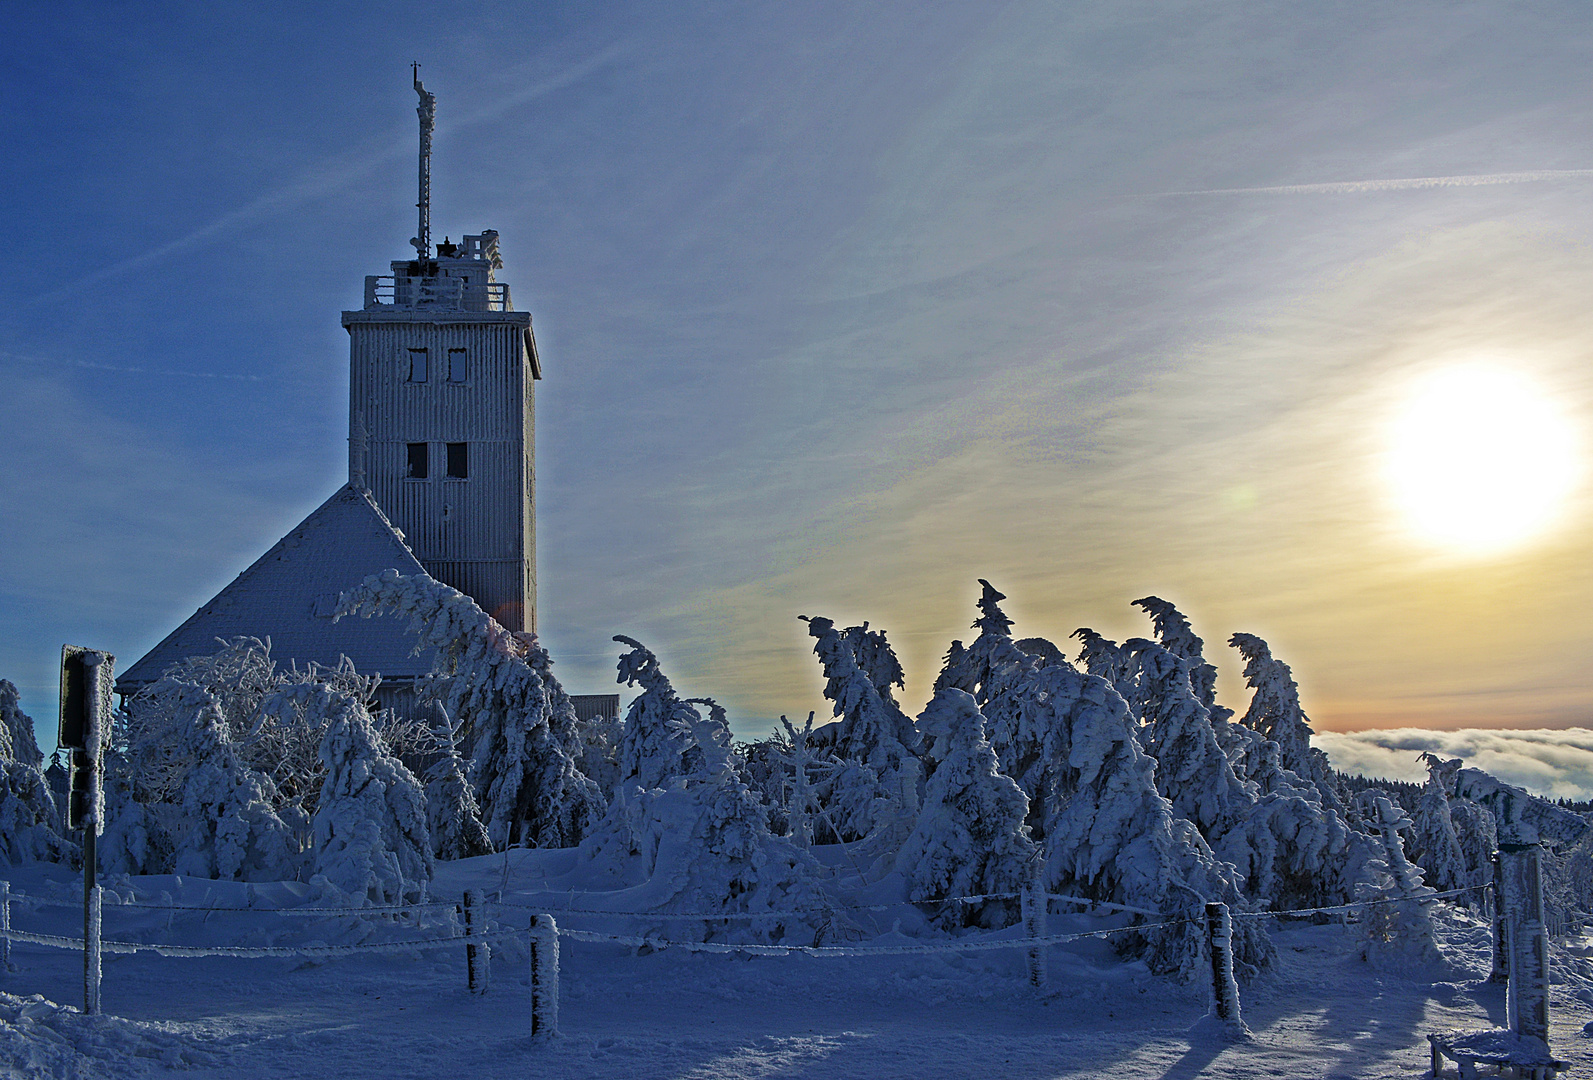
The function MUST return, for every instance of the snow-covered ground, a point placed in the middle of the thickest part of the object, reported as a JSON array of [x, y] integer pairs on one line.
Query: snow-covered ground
[[1322, 1013]]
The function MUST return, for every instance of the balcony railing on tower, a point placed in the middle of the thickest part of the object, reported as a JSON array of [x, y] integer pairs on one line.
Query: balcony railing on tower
[[441, 293]]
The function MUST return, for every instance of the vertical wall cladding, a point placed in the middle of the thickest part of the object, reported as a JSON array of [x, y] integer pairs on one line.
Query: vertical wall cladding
[[469, 533]]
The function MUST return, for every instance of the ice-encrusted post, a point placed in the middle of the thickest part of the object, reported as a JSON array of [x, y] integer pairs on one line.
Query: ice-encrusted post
[[544, 977], [1034, 911], [91, 954], [1527, 995], [1501, 949], [1224, 987], [5, 926], [478, 958]]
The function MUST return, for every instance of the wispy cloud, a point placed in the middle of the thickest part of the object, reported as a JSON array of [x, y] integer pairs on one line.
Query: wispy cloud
[[335, 174], [1413, 183]]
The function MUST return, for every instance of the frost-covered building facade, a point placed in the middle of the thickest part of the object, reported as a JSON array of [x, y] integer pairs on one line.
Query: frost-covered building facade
[[442, 476]]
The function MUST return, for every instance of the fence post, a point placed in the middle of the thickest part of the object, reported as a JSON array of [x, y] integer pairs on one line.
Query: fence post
[[544, 976], [1501, 952], [5, 926], [478, 958], [1034, 907], [91, 953], [1224, 987], [1527, 994]]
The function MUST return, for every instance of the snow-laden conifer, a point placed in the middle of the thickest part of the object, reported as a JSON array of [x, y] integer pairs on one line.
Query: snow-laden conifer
[[1276, 713], [875, 791], [232, 828], [29, 817], [970, 838], [1192, 772], [1174, 634], [697, 839], [1106, 659], [453, 817], [1105, 831], [371, 838], [499, 686], [1434, 843]]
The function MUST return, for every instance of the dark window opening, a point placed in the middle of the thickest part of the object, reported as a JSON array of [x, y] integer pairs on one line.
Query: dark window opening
[[458, 461], [458, 365], [417, 461], [417, 365]]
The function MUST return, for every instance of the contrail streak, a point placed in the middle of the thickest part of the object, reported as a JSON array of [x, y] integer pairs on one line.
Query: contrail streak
[[1350, 187], [333, 175]]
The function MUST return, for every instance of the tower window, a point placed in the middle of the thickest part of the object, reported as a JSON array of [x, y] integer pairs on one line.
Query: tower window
[[417, 461], [458, 461], [458, 365], [418, 367]]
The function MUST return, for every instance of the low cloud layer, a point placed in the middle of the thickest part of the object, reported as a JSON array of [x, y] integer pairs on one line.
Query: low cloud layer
[[1557, 763]]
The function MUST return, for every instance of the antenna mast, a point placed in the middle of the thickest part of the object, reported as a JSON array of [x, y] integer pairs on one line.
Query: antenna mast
[[428, 120]]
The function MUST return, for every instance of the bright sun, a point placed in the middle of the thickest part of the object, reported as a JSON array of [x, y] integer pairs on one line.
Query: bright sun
[[1481, 459]]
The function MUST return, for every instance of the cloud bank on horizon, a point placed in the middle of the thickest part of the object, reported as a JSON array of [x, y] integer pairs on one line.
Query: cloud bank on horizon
[[1557, 763]]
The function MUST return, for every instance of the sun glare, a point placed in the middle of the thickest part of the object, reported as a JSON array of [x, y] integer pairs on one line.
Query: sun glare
[[1481, 460]]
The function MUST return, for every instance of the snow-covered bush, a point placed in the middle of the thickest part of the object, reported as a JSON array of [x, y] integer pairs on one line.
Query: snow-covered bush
[[229, 809], [371, 838], [683, 830], [970, 838], [134, 840], [30, 821], [498, 685], [1399, 929]]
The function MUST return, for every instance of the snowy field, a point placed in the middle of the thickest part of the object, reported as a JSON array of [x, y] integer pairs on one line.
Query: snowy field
[[1321, 1013]]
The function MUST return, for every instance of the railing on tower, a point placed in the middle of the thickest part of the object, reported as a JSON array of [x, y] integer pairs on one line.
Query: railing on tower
[[446, 294]]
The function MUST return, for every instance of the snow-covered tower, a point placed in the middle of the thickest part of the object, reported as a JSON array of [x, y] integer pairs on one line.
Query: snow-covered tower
[[442, 374]]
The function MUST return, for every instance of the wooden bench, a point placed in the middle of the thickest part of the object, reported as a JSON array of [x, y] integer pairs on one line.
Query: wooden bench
[[1525, 1056]]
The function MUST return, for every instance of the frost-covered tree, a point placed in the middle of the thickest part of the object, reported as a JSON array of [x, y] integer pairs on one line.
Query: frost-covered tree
[[1105, 831], [1434, 843], [229, 810], [1399, 929], [970, 838], [697, 839], [1192, 772], [1106, 659], [29, 817], [453, 817], [499, 686], [657, 738], [1175, 635], [371, 838], [876, 790], [1276, 713], [859, 670]]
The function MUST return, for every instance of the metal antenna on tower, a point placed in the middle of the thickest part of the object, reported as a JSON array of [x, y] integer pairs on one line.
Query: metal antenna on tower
[[428, 120]]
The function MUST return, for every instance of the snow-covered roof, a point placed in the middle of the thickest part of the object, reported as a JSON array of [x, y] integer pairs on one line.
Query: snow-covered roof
[[291, 591]]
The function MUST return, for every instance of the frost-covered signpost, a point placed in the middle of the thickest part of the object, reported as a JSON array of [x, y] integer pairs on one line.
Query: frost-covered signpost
[[86, 677], [1527, 996]]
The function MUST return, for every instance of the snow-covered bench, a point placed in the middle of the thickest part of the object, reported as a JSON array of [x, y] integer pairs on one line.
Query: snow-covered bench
[[1524, 1055]]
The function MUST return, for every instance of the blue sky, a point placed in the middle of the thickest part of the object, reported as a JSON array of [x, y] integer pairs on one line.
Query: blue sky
[[840, 307]]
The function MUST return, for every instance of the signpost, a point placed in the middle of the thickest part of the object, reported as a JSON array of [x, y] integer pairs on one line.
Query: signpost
[[86, 679]]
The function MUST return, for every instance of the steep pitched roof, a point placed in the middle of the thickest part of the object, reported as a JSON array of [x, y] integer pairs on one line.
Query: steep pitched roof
[[291, 591]]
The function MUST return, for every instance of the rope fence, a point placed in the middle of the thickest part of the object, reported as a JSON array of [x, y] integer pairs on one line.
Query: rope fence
[[544, 934]]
